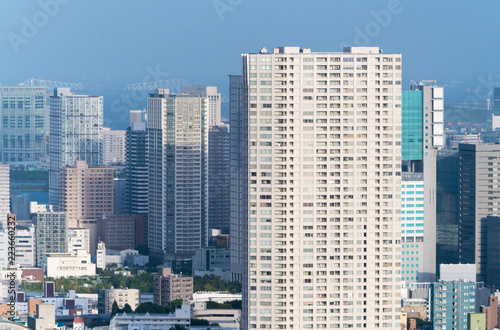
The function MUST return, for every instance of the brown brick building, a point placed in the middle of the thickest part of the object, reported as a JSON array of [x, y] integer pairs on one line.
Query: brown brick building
[[168, 287], [86, 192], [121, 232]]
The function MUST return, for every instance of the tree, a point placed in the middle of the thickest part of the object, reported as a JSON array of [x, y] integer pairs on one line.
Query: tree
[[149, 307], [114, 309], [198, 322], [127, 308], [176, 303], [233, 304], [178, 327]]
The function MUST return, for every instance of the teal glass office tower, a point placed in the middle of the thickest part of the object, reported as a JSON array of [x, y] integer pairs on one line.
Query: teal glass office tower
[[412, 125], [422, 136]]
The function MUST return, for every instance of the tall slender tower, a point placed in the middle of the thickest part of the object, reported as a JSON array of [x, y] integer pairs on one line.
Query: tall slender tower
[[75, 134], [136, 168], [319, 224], [178, 166], [219, 181], [422, 137]]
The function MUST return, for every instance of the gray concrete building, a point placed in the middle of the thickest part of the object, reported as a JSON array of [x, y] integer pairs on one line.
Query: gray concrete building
[[447, 206], [219, 180], [479, 197], [50, 234], [493, 251]]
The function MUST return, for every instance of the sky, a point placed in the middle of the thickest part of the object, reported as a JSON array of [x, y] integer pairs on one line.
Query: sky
[[107, 44]]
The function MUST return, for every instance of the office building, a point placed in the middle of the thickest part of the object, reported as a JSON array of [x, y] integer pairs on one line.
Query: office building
[[26, 246], [68, 265], [24, 124], [214, 101], [238, 175], [50, 233], [450, 303], [319, 237], [212, 260], [78, 239], [447, 207], [106, 298], [93, 227], [178, 166], [113, 146], [491, 312], [45, 317], [36, 208], [219, 182], [86, 192], [493, 251], [136, 169], [20, 206], [75, 134], [422, 136], [168, 287], [121, 232], [120, 196], [479, 195], [496, 98]]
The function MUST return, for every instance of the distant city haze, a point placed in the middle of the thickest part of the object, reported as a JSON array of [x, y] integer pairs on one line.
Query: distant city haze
[[106, 45]]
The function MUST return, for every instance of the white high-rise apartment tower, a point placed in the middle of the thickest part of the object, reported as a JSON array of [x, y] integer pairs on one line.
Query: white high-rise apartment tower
[[214, 101], [316, 225], [178, 167]]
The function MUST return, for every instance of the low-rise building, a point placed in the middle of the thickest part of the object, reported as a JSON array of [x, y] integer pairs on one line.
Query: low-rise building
[[450, 303], [67, 265], [168, 287], [182, 316], [78, 239], [107, 257], [211, 260], [122, 297], [229, 318], [68, 304], [45, 318], [216, 296]]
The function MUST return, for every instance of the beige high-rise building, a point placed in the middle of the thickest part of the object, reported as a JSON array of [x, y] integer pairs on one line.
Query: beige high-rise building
[[177, 172], [113, 146], [86, 192], [214, 101], [316, 187]]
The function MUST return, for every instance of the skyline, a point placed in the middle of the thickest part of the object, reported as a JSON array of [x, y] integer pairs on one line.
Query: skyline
[[222, 30]]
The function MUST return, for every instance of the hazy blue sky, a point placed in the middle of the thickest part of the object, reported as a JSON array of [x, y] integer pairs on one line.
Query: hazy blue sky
[[110, 43]]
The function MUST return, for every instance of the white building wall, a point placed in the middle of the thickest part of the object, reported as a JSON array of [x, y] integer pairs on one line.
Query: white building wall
[[78, 239], [113, 146], [66, 265]]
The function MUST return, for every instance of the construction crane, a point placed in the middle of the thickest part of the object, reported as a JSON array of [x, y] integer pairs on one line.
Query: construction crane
[[422, 83], [50, 85]]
